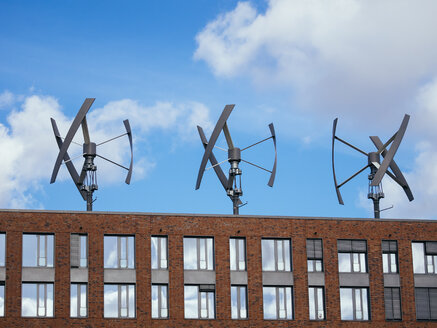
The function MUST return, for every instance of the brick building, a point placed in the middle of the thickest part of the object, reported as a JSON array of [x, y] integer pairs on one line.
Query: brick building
[[100, 269]]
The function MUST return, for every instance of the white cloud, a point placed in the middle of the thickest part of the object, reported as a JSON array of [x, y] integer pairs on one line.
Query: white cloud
[[28, 148], [6, 99]]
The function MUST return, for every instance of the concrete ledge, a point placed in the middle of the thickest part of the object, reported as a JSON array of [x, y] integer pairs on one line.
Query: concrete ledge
[[353, 279], [278, 279], [238, 277], [38, 274], [2, 274], [392, 280], [199, 277], [316, 279], [425, 280], [120, 276], [79, 274], [159, 276]]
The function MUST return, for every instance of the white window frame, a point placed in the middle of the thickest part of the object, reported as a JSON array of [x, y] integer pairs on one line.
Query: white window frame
[[238, 259], [242, 312], [161, 252], [80, 303], [163, 308], [317, 302]]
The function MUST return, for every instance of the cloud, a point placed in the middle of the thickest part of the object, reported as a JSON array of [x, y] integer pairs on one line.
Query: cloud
[[28, 148], [341, 56], [6, 99]]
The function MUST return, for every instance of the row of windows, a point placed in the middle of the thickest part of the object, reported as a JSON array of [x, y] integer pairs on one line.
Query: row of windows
[[119, 252], [199, 302]]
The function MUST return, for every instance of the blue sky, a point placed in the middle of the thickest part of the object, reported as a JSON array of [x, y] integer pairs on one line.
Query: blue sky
[[170, 65]]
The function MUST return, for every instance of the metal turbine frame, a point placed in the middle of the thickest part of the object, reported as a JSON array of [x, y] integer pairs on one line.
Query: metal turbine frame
[[377, 170], [86, 182], [234, 157]]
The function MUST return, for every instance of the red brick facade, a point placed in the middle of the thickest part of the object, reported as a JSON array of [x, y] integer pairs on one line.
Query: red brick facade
[[62, 224]]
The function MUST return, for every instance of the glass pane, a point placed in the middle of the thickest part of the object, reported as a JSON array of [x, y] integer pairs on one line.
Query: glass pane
[[83, 251], [269, 302], [241, 255], [430, 267], [356, 262], [131, 295], [190, 253], [234, 302], [211, 307], [123, 301], [50, 250], [123, 251], [363, 262], [154, 253], [164, 302], [203, 305], [279, 245], [155, 309], [49, 300], [28, 300], [358, 308], [191, 308], [268, 255], [344, 262], [287, 255], [2, 249], [319, 266], [435, 263], [346, 304], [73, 300], [393, 265], [202, 253], [42, 251], [289, 300], [131, 252], [365, 302], [2, 300], [83, 301], [210, 254], [385, 268], [232, 255], [320, 306], [110, 299], [310, 264], [418, 258], [312, 303], [110, 252], [41, 300], [163, 253], [30, 251], [282, 313], [243, 303]]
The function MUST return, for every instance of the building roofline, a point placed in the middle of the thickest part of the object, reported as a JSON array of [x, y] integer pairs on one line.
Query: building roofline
[[212, 215]]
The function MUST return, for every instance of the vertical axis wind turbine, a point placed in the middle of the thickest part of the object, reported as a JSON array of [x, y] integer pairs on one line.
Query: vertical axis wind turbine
[[377, 169], [86, 182], [232, 183]]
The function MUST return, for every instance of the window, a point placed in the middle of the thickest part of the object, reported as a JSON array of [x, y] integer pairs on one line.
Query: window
[[392, 300], [159, 301], [278, 303], [199, 302], [198, 253], [276, 255], [2, 299], [119, 301], [426, 303], [314, 255], [78, 300], [239, 302], [389, 256], [159, 253], [78, 251], [352, 255], [354, 304], [425, 257], [237, 248], [317, 303], [37, 300], [2, 249], [37, 250], [119, 252]]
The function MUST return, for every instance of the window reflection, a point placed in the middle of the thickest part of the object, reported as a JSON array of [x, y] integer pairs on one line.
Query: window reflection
[[2, 249], [238, 302], [37, 300], [354, 304], [2, 300], [37, 250], [119, 301], [119, 252], [198, 253], [276, 255], [277, 303], [159, 301], [199, 303]]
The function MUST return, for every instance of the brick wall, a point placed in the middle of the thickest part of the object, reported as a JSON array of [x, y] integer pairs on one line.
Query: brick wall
[[14, 223]]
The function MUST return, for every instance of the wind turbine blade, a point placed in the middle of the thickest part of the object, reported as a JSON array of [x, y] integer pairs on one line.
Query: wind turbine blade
[[129, 135], [86, 133], [273, 174], [337, 188]]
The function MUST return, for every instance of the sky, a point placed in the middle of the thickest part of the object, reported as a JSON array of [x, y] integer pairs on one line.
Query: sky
[[169, 66]]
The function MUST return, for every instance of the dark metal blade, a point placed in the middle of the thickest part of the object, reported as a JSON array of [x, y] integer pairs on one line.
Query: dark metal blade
[[391, 152], [214, 136], [70, 166], [228, 136], [398, 176], [70, 135], [337, 189], [129, 135], [86, 133], [273, 175]]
